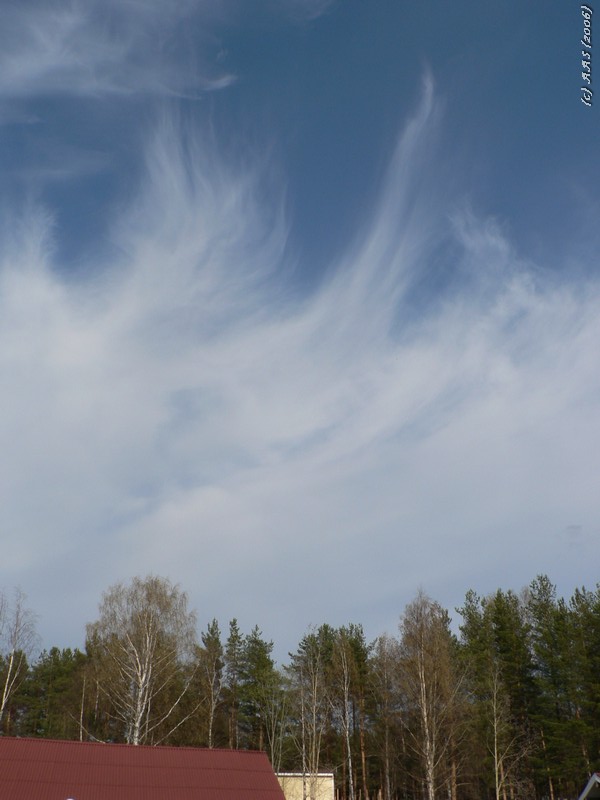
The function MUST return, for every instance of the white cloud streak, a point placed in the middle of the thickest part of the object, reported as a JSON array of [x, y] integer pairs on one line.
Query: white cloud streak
[[305, 9], [290, 460], [99, 48]]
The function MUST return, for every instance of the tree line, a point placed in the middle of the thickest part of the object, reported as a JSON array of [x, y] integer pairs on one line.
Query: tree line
[[506, 708]]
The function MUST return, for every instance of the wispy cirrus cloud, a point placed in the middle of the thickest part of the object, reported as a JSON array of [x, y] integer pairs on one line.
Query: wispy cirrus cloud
[[99, 48], [183, 411], [307, 9]]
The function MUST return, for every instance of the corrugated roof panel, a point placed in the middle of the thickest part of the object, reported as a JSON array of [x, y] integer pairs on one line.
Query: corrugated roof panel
[[39, 769]]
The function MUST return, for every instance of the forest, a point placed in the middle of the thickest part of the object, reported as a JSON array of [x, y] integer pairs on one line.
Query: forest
[[505, 708]]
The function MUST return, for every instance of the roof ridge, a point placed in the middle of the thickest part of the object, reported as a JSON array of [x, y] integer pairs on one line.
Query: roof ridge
[[125, 744]]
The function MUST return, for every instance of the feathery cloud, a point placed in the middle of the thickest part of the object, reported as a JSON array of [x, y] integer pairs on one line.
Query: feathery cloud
[[183, 411]]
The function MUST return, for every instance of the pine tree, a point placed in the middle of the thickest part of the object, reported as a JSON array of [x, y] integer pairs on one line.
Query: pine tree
[[52, 695], [234, 656]]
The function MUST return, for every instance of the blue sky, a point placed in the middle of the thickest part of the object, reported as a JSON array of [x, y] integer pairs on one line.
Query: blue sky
[[299, 305]]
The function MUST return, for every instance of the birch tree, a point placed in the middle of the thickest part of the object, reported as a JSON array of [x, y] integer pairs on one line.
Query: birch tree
[[508, 746], [210, 661], [384, 680], [342, 700], [275, 710], [308, 673], [140, 644], [430, 687], [17, 641]]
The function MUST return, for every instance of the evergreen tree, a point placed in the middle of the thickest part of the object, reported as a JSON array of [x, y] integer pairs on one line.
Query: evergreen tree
[[496, 651], [558, 760], [54, 695], [234, 656], [584, 615], [260, 684]]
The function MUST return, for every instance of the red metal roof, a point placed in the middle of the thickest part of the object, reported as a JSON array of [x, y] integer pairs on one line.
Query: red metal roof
[[44, 769]]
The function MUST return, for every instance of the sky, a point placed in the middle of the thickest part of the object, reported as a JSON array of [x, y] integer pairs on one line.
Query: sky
[[299, 306]]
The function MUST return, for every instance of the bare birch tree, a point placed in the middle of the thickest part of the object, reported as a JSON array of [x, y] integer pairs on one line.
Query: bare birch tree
[[311, 692], [274, 708], [211, 663], [507, 745], [17, 641], [430, 687], [343, 667], [384, 678], [143, 638]]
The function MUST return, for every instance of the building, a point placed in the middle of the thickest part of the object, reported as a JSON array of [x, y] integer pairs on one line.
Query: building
[[592, 790], [297, 786], [43, 769]]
